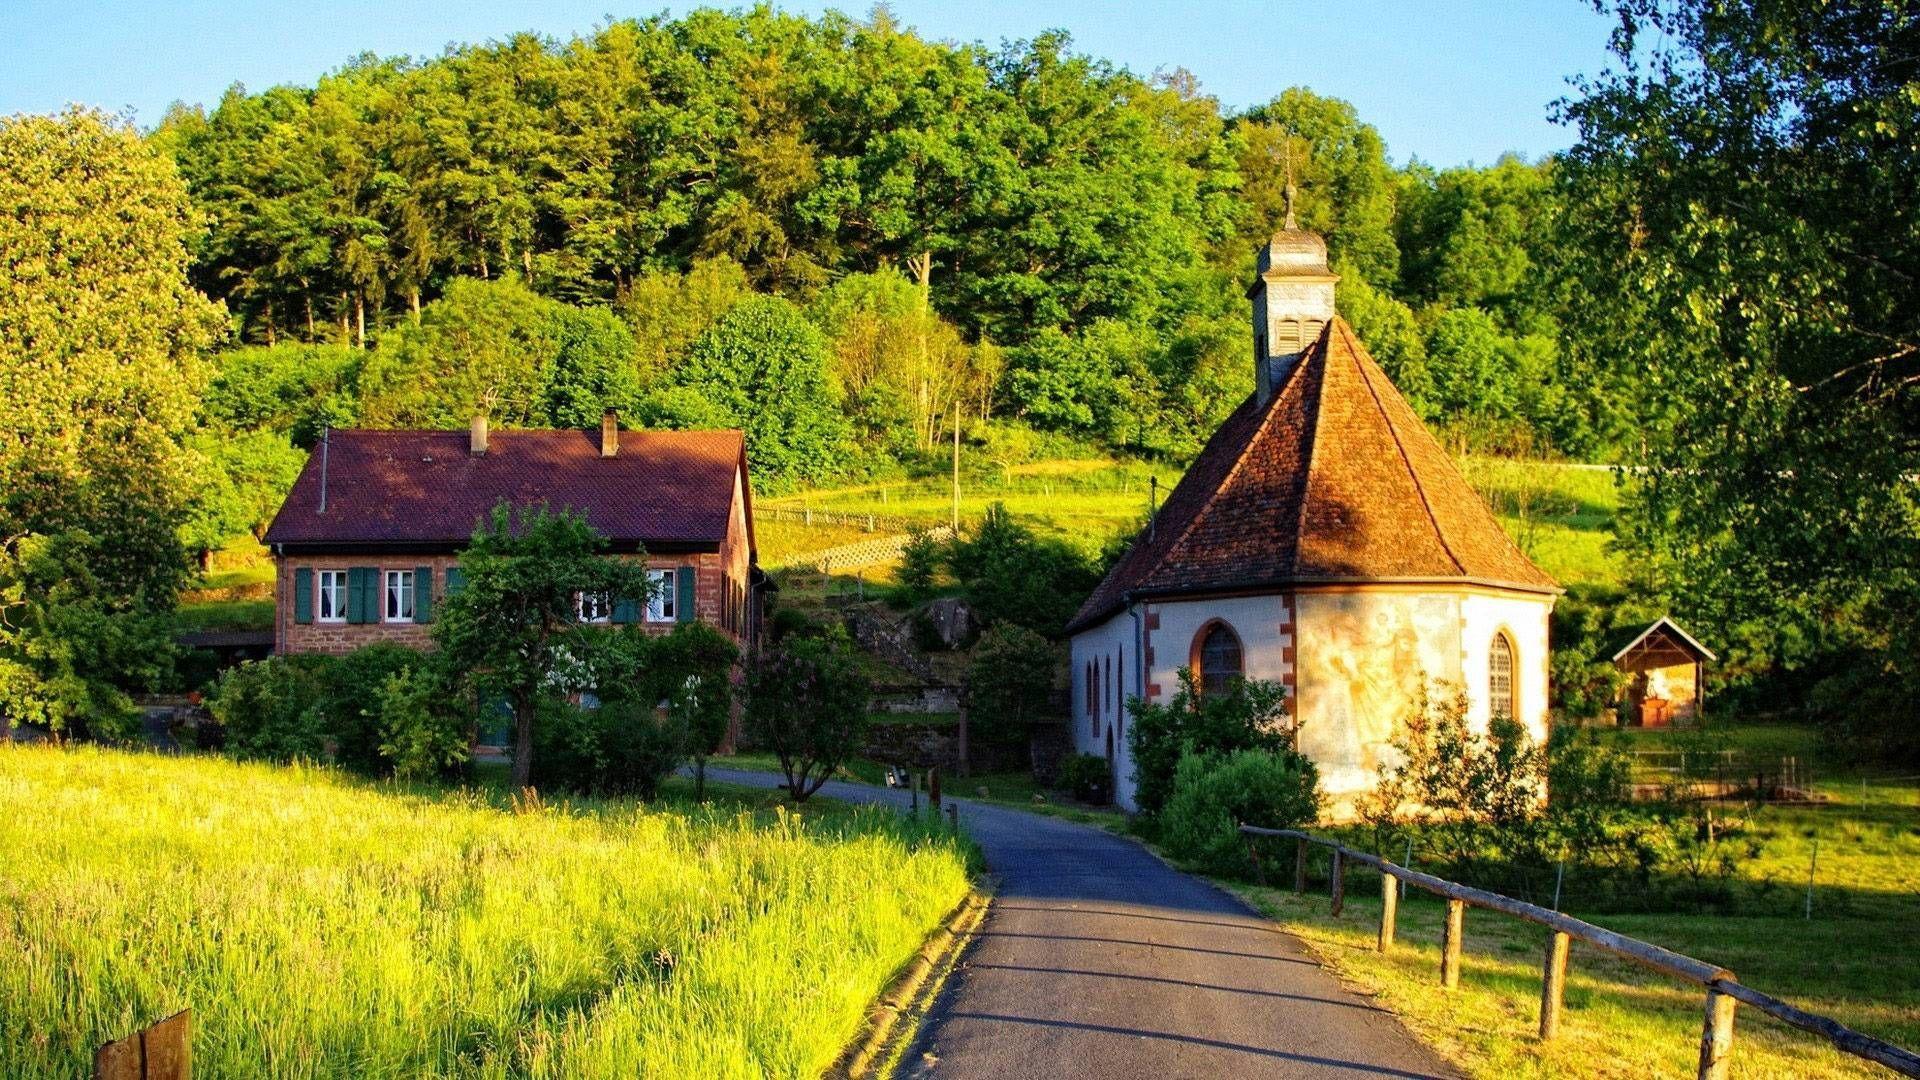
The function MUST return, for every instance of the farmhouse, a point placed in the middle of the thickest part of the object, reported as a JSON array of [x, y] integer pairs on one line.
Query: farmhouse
[[1323, 539], [369, 539]]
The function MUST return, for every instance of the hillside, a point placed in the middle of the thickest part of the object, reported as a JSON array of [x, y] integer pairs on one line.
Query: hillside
[[322, 926]]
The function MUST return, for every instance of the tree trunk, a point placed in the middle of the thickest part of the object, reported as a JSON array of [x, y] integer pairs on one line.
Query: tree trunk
[[522, 745], [414, 298], [360, 319], [309, 297]]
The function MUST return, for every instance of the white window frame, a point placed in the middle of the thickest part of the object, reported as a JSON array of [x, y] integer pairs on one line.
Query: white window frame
[[593, 608], [396, 596], [330, 586], [661, 596]]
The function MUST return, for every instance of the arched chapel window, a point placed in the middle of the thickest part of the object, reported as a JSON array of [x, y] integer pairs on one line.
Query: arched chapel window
[[1220, 662], [1500, 677]]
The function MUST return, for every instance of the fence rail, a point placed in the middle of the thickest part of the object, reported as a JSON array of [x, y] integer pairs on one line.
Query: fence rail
[[1724, 991]]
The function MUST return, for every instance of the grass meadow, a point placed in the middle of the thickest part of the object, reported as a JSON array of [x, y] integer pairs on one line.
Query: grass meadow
[[324, 926]]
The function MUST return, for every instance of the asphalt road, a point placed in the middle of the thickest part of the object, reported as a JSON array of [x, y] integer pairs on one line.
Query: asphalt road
[[1098, 960]]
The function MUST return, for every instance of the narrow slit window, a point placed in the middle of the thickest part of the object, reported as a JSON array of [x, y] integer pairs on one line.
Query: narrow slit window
[[1500, 677]]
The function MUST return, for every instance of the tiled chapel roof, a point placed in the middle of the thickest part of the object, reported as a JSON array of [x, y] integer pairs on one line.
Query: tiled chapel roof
[[1332, 479]]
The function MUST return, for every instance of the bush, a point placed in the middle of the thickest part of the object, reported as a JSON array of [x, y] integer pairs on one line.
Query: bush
[[1213, 795], [807, 702], [1010, 575], [1088, 777], [1008, 683], [350, 703], [1251, 716], [624, 747], [270, 708], [420, 737], [920, 563]]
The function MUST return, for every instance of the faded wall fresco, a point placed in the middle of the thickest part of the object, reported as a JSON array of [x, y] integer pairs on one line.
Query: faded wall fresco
[[1362, 659]]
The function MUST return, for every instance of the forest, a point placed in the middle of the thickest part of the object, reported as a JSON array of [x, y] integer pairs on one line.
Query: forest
[[851, 241]]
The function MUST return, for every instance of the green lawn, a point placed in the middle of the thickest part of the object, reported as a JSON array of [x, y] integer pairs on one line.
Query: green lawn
[[320, 925], [1853, 960]]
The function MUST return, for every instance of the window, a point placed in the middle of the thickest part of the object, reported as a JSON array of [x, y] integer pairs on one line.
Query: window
[[1219, 661], [399, 596], [593, 607], [660, 596], [330, 599], [1500, 677]]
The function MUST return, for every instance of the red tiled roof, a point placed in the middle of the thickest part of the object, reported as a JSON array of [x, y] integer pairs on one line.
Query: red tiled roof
[[1333, 478], [423, 487]]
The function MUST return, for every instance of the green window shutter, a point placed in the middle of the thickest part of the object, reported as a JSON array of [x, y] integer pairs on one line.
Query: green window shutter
[[303, 594], [456, 580], [626, 611], [683, 601], [423, 594], [362, 600]]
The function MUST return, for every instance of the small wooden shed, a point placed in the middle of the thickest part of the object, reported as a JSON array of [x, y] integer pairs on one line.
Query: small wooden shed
[[1666, 672]]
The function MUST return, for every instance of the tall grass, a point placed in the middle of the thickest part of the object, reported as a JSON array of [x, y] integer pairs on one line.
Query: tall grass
[[320, 926]]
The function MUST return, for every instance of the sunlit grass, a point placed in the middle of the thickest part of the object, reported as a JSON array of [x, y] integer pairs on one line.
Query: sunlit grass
[[1621, 1020], [320, 926]]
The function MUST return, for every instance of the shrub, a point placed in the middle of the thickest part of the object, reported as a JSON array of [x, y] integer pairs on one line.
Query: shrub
[[350, 704], [1214, 794], [1010, 575], [1008, 683], [620, 748], [271, 708], [1250, 716], [420, 736], [807, 702], [920, 563], [1088, 777]]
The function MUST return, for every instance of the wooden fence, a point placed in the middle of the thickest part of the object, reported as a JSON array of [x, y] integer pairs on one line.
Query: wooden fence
[[161, 1052], [1723, 991]]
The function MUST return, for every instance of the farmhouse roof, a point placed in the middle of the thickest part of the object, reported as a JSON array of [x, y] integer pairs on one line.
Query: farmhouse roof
[[426, 489], [1628, 638], [1332, 479]]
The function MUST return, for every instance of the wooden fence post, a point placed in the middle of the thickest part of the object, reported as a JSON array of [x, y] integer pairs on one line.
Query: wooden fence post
[[1450, 944], [1339, 881], [1389, 907], [161, 1052], [1553, 983], [1253, 852], [1716, 1038], [1300, 868]]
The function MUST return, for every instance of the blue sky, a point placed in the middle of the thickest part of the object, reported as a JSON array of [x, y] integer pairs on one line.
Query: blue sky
[[1448, 81]]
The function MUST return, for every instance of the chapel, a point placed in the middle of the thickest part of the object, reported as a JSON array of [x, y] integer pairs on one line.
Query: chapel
[[1324, 540]]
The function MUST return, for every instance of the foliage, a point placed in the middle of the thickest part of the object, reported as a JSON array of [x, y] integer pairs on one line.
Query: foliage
[[351, 706], [1009, 678], [1089, 777], [269, 709], [1011, 575], [765, 369], [920, 561], [67, 650], [513, 631], [622, 747], [421, 736], [1739, 198], [1249, 715], [687, 675], [1449, 772], [100, 371], [500, 348], [807, 702], [1214, 794], [295, 390], [243, 480], [449, 924]]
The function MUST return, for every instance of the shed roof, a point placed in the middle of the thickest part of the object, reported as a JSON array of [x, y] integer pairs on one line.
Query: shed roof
[[1332, 479], [1627, 638]]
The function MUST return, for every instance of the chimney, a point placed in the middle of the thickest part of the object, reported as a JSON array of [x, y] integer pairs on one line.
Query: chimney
[[1292, 302], [610, 434], [477, 435]]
